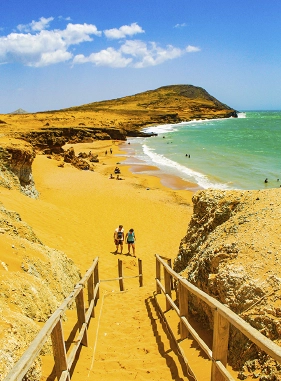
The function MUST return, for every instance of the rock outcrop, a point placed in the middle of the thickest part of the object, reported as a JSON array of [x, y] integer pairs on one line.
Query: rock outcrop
[[16, 159], [232, 252], [29, 293], [51, 140]]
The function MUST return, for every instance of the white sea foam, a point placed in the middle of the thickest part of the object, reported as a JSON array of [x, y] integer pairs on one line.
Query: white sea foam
[[161, 129], [180, 170], [165, 128], [241, 115]]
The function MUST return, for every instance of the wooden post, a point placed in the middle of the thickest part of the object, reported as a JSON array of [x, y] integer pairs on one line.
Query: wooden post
[[220, 345], [167, 279], [81, 315], [170, 264], [96, 279], [140, 273], [59, 351], [91, 293], [183, 306], [120, 275], [158, 275]]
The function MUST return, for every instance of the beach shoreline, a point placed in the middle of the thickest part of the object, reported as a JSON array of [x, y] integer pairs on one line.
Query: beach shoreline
[[138, 166]]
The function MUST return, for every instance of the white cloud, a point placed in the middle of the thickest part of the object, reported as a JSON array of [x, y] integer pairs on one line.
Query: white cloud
[[35, 26], [192, 49], [77, 33], [53, 57], [134, 53], [152, 54], [180, 25], [46, 47], [37, 46], [107, 57], [123, 31]]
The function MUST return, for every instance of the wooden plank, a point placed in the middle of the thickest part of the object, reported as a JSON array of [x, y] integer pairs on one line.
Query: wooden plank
[[190, 371], [160, 286], [27, 359], [80, 307], [224, 372], [65, 376], [169, 261], [89, 272], [167, 280], [140, 272], [91, 293], [158, 276], [197, 338], [220, 345], [172, 304], [165, 265], [96, 280], [77, 344], [120, 275], [59, 351], [255, 336], [183, 307]]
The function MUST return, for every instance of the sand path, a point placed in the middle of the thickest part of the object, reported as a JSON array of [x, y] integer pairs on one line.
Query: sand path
[[77, 213]]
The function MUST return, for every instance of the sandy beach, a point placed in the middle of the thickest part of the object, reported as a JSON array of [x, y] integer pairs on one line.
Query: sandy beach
[[77, 213]]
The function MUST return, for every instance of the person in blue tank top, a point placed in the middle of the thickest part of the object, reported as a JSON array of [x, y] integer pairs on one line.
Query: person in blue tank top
[[131, 239]]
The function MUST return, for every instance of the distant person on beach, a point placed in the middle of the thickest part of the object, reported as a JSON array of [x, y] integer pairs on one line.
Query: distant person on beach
[[130, 239], [110, 150], [266, 180], [111, 176], [118, 237], [105, 152]]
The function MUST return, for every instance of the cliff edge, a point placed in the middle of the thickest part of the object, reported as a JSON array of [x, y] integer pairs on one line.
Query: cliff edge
[[232, 252]]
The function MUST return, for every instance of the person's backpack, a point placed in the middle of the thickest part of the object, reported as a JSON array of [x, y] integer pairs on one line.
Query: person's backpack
[[119, 234]]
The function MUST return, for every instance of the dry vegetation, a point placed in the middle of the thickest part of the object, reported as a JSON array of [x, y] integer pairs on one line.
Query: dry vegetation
[[169, 104]]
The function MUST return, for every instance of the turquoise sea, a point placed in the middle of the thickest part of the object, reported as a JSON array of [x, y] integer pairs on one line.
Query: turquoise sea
[[235, 153]]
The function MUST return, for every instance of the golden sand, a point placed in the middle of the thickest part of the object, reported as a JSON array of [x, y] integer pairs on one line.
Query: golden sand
[[77, 212]]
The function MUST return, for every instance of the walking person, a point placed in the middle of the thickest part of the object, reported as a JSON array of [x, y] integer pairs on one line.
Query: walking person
[[130, 239], [118, 237]]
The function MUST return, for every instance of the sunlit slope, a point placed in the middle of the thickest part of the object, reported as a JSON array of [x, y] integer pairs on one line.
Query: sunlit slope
[[168, 104]]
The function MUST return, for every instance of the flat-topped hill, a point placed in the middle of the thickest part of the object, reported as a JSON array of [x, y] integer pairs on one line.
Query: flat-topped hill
[[168, 104]]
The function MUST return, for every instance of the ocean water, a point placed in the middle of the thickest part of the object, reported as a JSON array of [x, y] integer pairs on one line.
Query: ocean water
[[234, 153]]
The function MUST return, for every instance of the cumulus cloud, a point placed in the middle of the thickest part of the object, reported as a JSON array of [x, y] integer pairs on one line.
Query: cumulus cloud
[[192, 49], [107, 57], [134, 53], [35, 45], [123, 31], [44, 47], [35, 26]]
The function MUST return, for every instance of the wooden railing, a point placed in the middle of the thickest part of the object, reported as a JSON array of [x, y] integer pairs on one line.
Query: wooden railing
[[53, 328], [223, 317]]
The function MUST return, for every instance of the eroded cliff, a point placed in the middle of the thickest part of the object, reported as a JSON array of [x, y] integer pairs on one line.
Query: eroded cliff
[[16, 159], [34, 279], [232, 252]]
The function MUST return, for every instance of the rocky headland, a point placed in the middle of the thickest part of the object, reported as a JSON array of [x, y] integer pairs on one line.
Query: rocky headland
[[117, 118]]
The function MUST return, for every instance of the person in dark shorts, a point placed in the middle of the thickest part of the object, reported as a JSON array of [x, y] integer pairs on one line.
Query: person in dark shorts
[[119, 238], [131, 239]]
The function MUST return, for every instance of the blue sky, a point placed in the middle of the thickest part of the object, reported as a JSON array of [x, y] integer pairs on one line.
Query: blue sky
[[57, 54]]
